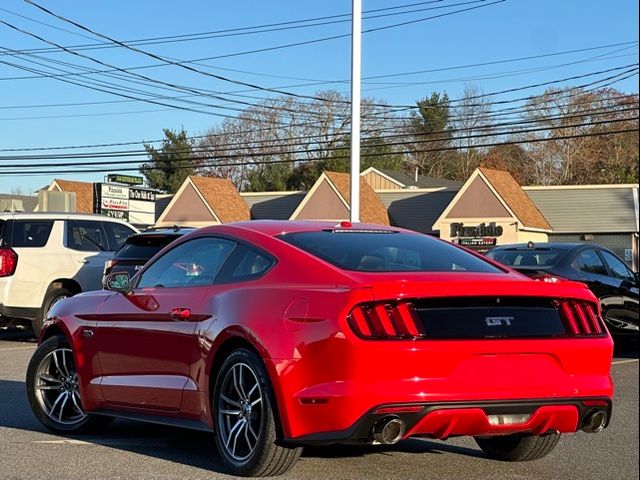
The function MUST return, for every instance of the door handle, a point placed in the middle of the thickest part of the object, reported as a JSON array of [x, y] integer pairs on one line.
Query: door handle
[[180, 314], [84, 260]]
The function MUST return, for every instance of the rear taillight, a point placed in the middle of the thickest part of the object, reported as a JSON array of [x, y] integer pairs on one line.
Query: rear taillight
[[581, 318], [547, 278], [386, 320], [8, 262]]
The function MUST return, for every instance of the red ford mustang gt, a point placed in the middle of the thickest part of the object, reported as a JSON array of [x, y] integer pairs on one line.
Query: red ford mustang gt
[[276, 335]]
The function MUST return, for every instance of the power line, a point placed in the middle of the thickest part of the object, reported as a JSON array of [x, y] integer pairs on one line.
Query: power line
[[373, 154], [234, 81], [317, 150]]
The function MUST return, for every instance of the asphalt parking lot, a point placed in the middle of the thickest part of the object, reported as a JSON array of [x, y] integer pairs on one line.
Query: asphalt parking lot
[[130, 450]]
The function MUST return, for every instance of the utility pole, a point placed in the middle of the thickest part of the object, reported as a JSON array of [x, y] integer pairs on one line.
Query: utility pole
[[356, 60]]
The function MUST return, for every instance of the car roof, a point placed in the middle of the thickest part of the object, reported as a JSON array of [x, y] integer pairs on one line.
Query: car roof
[[544, 245], [57, 216], [176, 231], [280, 227]]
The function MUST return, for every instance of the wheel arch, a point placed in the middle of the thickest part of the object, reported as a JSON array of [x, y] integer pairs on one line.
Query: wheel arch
[[235, 338]]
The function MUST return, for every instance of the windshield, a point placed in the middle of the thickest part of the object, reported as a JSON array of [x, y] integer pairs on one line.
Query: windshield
[[526, 258], [387, 251]]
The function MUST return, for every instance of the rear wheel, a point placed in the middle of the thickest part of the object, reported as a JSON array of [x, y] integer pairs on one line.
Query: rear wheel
[[245, 424], [518, 448], [52, 389]]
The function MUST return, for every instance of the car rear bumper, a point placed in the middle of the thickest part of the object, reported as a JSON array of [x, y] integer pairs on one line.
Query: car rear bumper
[[444, 420], [23, 313]]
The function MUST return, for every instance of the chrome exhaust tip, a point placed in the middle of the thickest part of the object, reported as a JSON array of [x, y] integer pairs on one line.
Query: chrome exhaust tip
[[388, 431], [595, 422]]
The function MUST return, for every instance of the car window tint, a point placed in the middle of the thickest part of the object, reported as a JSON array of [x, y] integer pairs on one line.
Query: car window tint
[[588, 261], [30, 233], [117, 234], [526, 258], [617, 267], [246, 264], [387, 251], [86, 236], [193, 263], [143, 247]]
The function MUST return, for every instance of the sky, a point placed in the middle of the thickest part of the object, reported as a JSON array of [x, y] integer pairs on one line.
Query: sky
[[29, 117]]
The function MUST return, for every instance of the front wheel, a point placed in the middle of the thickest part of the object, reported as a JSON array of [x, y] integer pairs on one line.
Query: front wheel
[[518, 448], [52, 389], [245, 424]]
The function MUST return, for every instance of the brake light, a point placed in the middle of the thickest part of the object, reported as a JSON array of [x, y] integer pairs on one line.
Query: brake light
[[581, 318], [548, 278], [386, 320], [8, 262]]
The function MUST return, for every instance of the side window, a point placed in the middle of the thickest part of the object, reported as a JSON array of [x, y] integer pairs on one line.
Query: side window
[[245, 264], [30, 233], [589, 262], [193, 263], [86, 236], [117, 234], [617, 267]]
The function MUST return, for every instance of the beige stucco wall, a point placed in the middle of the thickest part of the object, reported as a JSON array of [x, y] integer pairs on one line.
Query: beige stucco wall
[[188, 210], [324, 204]]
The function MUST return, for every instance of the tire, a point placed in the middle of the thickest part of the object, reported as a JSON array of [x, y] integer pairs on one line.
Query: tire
[[52, 296], [56, 403], [518, 448], [243, 407]]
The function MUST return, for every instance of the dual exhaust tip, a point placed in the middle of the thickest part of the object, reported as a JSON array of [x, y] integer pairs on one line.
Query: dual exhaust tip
[[595, 422], [388, 431]]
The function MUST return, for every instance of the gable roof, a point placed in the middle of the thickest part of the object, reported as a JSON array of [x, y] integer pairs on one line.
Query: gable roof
[[83, 191], [372, 210], [611, 208], [222, 197], [515, 198], [407, 181], [416, 210]]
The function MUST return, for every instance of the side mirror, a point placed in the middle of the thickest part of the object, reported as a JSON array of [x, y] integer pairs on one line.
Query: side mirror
[[117, 282]]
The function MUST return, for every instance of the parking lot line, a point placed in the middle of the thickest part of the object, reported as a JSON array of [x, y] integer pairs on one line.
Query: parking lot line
[[620, 362]]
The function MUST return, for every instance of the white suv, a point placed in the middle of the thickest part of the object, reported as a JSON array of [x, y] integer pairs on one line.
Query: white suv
[[45, 257]]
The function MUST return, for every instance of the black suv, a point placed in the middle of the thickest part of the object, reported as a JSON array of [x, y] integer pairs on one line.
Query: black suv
[[608, 277], [138, 249]]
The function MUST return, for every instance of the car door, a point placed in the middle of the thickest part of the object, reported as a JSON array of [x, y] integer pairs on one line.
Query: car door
[[595, 273], [88, 248], [621, 305], [146, 337]]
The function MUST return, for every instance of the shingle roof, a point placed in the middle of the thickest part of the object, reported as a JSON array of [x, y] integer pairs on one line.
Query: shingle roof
[[516, 199], [416, 210], [223, 198], [422, 182], [83, 191], [372, 210], [588, 209], [28, 202], [272, 205]]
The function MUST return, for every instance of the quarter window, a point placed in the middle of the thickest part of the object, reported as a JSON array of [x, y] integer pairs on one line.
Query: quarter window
[[193, 263], [589, 262], [86, 236], [28, 233], [617, 267], [245, 264]]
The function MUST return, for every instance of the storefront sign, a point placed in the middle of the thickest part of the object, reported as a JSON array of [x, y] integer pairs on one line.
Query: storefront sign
[[135, 205], [119, 214], [114, 191], [140, 194], [126, 179], [483, 230], [477, 242], [114, 204]]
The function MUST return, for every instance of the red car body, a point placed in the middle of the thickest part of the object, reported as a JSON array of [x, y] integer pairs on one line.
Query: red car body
[[153, 353]]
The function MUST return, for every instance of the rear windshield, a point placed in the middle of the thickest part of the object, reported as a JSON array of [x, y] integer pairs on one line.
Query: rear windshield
[[387, 252], [526, 258], [143, 247], [26, 233]]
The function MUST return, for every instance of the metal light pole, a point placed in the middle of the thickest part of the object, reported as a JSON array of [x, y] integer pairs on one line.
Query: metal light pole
[[356, 59]]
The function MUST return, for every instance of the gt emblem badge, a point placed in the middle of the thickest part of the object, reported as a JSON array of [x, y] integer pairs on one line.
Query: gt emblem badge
[[498, 321]]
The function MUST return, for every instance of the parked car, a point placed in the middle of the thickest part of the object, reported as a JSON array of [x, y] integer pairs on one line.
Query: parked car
[[606, 275], [139, 248], [275, 335], [45, 257]]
